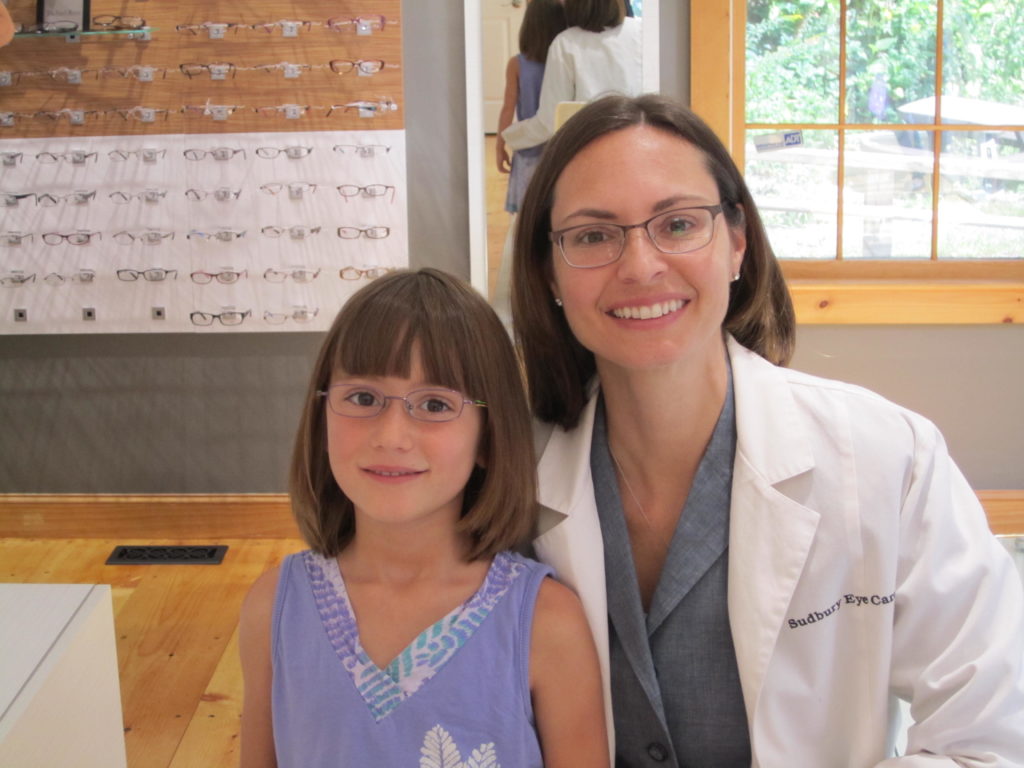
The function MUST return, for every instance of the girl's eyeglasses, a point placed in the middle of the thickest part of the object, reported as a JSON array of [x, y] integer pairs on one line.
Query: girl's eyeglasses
[[433, 404]]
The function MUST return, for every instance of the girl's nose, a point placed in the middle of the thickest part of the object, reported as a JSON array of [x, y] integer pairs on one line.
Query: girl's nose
[[394, 426]]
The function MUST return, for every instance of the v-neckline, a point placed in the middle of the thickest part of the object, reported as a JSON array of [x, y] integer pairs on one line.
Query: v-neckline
[[383, 689]]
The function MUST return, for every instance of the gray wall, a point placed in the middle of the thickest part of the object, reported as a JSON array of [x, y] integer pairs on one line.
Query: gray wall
[[216, 413]]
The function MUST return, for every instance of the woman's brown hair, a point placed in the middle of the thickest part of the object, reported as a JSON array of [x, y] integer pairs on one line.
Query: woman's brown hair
[[462, 345], [558, 367], [594, 15], [542, 23]]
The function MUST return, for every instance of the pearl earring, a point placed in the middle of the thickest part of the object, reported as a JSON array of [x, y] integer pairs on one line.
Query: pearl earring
[[736, 277], [558, 302]]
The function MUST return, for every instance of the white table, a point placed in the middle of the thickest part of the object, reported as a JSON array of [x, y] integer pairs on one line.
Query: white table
[[60, 702]]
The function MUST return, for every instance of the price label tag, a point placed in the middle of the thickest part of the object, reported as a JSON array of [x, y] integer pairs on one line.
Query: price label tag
[[220, 112], [217, 31], [289, 29], [298, 232], [150, 155], [151, 196], [74, 76], [291, 71], [78, 157], [6, 119], [145, 74], [222, 194], [6, 78], [219, 71], [292, 111], [76, 116]]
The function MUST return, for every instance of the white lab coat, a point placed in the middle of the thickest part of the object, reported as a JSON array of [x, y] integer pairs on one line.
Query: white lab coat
[[581, 66], [861, 568]]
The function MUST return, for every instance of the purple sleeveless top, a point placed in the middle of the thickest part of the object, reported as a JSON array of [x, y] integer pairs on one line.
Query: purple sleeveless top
[[457, 696]]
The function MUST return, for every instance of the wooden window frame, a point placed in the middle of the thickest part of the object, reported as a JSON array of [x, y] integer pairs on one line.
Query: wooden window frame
[[852, 291]]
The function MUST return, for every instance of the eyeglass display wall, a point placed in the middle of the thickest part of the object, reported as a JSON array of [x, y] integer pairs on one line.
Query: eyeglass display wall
[[199, 167]]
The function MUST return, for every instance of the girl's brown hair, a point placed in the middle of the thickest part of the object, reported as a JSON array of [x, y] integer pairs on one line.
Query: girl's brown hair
[[594, 15], [558, 367], [462, 345], [542, 22]]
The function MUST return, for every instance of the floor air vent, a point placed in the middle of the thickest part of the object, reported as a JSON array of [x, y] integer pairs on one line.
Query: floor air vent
[[166, 555]]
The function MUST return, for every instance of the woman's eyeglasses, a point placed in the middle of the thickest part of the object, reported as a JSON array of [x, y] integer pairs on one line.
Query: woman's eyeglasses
[[678, 231]]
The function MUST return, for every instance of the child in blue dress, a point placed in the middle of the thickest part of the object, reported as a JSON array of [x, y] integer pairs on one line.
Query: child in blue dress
[[543, 20], [409, 634]]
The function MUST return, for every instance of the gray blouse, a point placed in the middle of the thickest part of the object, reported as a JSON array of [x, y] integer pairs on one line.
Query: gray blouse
[[676, 693]]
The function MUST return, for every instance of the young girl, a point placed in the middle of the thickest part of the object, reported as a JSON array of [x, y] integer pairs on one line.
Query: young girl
[[542, 22], [408, 634]]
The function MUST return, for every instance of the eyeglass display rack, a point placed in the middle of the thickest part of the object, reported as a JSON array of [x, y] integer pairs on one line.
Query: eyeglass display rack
[[155, 203]]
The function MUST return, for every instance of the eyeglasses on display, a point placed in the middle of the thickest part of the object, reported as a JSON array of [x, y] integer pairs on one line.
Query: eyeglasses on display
[[225, 276], [78, 197], [293, 152], [147, 196], [109, 21], [299, 315], [295, 189], [215, 29], [75, 157], [16, 279], [363, 66], [297, 275], [289, 111], [217, 71], [221, 194], [146, 154], [143, 114], [364, 108], [140, 72], [153, 275], [362, 25], [83, 276], [296, 232], [222, 235], [290, 71], [12, 199], [148, 237], [361, 150], [372, 273], [288, 27], [48, 27], [14, 239], [217, 153], [359, 401], [79, 237], [371, 233], [215, 111], [348, 191], [232, 317]]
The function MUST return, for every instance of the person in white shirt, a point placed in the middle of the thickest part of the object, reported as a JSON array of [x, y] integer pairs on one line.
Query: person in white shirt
[[601, 52]]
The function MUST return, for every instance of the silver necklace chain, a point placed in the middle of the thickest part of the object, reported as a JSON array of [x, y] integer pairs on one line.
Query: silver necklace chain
[[629, 488]]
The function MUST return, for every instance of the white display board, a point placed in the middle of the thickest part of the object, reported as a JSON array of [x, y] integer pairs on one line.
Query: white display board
[[198, 232]]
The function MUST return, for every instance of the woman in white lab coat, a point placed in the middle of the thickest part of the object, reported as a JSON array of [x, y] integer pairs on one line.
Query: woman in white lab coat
[[601, 52], [768, 560]]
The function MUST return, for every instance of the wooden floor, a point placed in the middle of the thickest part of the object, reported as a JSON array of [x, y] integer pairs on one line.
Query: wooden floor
[[176, 627]]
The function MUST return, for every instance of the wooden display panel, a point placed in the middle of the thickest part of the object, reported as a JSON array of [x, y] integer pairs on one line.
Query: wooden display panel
[[103, 92]]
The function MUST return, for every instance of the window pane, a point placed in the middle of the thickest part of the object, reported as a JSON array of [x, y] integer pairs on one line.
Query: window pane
[[983, 60], [890, 59], [795, 190], [886, 198], [981, 197], [792, 61]]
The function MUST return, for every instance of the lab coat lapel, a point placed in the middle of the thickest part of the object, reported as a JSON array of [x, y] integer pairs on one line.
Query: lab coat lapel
[[770, 534], [569, 538]]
